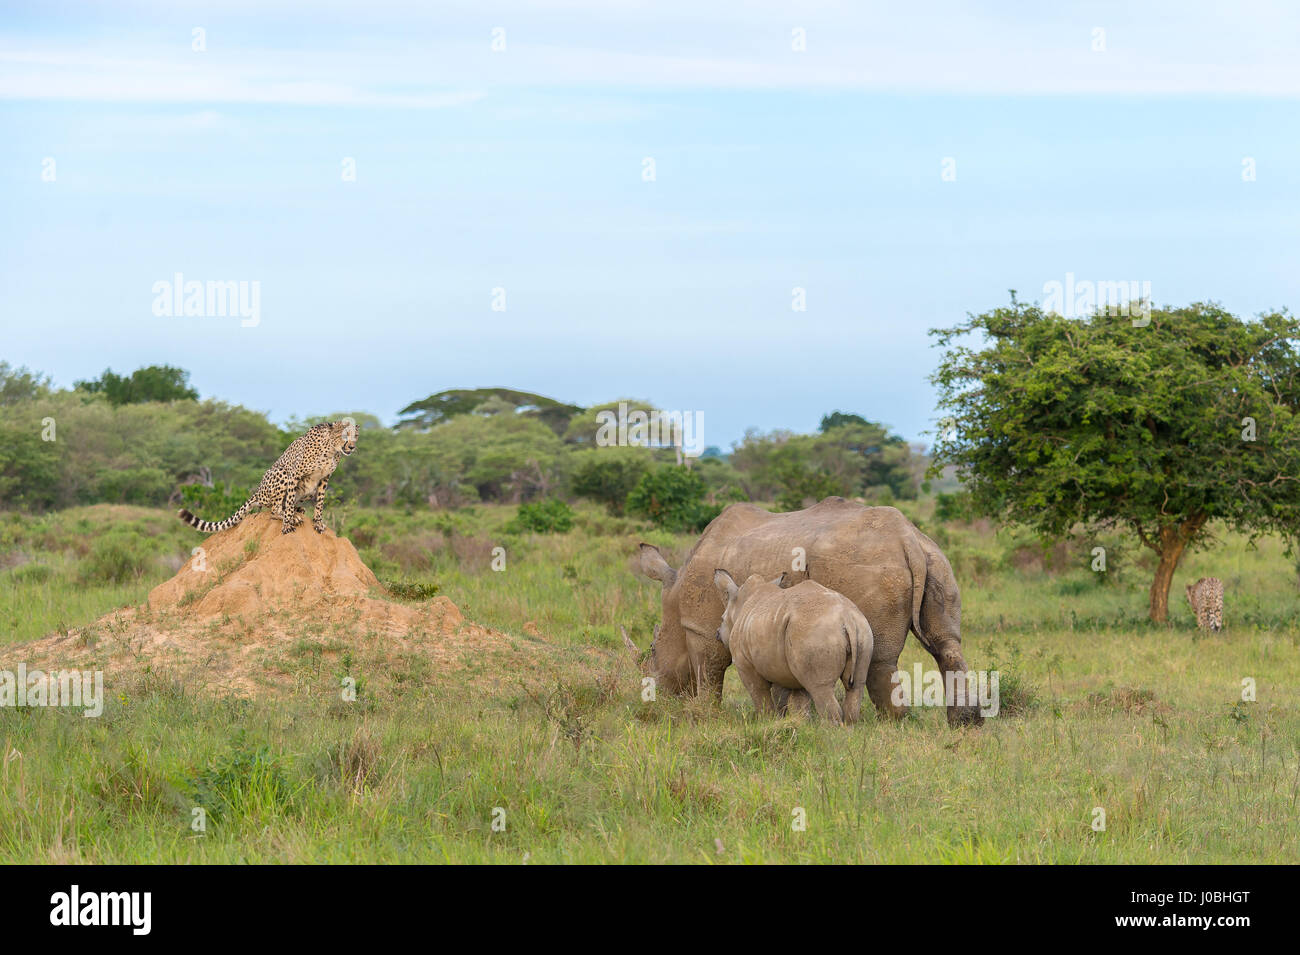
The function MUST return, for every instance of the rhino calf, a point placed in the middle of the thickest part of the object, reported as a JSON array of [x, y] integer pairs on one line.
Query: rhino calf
[[803, 638]]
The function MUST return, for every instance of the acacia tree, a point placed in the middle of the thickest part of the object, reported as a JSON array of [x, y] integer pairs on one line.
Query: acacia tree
[[1163, 428], [445, 405]]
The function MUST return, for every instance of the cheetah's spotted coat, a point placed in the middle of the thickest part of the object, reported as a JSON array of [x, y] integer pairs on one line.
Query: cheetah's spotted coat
[[1206, 598], [302, 471]]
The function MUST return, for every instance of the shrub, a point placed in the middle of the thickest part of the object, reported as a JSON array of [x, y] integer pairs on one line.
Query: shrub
[[411, 590], [608, 475], [248, 782], [144, 485], [952, 507], [1016, 695], [116, 559], [672, 497], [31, 574], [799, 484], [549, 516], [29, 469]]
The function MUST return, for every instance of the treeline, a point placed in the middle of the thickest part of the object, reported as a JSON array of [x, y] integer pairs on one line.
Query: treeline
[[143, 438]]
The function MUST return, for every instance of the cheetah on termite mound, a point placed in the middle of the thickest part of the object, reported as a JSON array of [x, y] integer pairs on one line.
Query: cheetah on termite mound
[[1206, 598], [302, 471]]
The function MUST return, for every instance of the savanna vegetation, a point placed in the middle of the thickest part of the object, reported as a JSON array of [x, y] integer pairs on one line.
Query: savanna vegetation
[[1064, 439], [145, 439], [1100, 709]]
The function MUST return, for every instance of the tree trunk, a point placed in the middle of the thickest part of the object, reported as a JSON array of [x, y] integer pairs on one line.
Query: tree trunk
[[1172, 541], [1164, 577]]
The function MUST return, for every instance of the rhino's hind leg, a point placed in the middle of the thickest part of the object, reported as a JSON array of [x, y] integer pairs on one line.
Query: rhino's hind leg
[[800, 704], [787, 700], [853, 704], [880, 687], [828, 708], [759, 689]]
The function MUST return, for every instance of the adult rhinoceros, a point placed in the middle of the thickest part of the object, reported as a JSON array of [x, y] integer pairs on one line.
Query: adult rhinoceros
[[875, 556]]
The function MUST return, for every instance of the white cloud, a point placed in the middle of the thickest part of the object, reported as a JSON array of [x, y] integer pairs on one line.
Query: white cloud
[[261, 76], [407, 54]]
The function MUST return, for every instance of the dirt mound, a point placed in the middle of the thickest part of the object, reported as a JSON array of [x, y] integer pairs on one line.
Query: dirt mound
[[256, 611], [253, 567]]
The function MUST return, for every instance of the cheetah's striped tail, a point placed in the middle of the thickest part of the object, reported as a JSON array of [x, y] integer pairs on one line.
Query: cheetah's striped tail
[[208, 527]]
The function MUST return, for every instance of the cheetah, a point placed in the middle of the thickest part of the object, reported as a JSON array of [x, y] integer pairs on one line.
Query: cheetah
[[1206, 598], [303, 470]]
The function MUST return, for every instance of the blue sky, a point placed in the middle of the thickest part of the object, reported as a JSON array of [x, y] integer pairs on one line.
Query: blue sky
[[522, 169]]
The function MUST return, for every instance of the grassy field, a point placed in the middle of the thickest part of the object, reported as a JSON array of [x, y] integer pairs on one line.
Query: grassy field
[[1101, 710]]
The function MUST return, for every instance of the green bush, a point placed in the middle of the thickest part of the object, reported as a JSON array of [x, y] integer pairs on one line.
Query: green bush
[[672, 497], [29, 468], [549, 516], [143, 486], [952, 507], [246, 783], [116, 559], [31, 574], [411, 590], [723, 481], [608, 475], [798, 486]]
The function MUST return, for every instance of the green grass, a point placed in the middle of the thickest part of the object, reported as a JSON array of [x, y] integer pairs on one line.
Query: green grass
[[1144, 722], [65, 569]]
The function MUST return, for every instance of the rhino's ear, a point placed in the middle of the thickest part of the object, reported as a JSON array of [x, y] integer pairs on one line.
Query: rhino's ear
[[655, 567], [784, 580], [725, 584]]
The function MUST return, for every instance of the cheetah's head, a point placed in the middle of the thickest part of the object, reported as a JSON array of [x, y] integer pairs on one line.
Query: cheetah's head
[[345, 436]]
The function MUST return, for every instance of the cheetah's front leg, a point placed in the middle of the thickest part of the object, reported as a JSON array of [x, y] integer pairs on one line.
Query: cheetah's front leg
[[316, 521], [288, 511]]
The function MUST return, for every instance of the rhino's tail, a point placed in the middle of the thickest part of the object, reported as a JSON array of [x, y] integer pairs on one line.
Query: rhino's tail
[[851, 667], [916, 562]]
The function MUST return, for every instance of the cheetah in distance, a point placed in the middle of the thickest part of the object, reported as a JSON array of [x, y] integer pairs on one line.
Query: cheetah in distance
[[1206, 598], [302, 471]]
